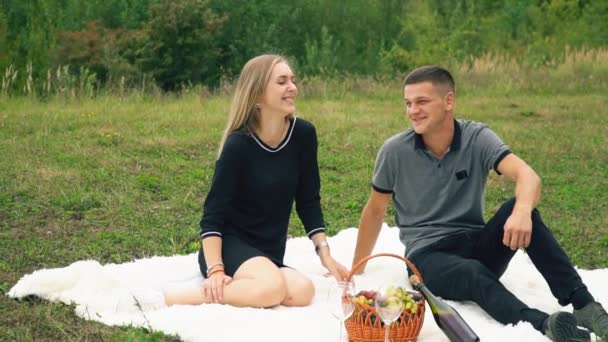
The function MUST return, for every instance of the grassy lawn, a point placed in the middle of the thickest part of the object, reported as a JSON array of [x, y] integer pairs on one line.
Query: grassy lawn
[[113, 179]]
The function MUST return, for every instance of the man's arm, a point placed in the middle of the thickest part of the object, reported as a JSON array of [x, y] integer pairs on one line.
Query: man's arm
[[518, 228], [369, 225]]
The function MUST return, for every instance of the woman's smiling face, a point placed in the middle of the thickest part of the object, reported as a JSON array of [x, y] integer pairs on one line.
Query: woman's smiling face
[[281, 91]]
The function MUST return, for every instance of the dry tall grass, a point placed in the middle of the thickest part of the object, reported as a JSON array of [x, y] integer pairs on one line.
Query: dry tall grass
[[575, 69]]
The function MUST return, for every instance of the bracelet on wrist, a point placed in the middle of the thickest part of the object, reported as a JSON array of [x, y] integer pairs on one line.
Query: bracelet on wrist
[[322, 244], [214, 266], [216, 271]]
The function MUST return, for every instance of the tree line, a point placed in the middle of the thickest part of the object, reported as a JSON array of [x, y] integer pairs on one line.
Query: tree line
[[177, 43]]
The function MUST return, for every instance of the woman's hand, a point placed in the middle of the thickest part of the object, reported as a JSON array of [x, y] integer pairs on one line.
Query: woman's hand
[[335, 268], [214, 286]]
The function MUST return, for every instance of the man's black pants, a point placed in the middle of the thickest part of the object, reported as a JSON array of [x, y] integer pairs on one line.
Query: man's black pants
[[468, 266]]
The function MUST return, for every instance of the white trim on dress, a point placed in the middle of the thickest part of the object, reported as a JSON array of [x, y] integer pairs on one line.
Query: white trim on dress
[[280, 147]]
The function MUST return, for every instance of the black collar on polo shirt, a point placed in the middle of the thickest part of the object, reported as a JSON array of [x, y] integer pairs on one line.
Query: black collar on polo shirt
[[454, 146]]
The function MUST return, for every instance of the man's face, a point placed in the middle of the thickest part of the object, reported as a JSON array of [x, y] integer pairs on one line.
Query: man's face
[[428, 107]]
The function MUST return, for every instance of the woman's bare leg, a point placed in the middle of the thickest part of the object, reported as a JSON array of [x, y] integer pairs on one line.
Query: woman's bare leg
[[258, 282], [300, 289]]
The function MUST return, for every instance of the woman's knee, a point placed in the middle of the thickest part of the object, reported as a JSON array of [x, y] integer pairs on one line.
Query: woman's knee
[[299, 293], [270, 291], [268, 285]]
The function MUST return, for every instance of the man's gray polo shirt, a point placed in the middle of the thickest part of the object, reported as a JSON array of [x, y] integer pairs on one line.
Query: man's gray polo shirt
[[434, 198]]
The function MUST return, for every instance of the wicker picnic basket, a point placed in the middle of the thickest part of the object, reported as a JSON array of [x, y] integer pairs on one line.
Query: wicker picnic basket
[[364, 325]]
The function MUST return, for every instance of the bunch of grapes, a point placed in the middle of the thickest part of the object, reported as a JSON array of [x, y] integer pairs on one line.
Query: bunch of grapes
[[411, 301], [365, 297]]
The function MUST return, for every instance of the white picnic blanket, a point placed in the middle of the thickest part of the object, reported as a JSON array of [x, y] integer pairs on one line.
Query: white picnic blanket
[[94, 290]]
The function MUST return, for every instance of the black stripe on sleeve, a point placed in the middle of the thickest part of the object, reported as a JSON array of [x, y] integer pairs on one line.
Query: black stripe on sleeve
[[210, 233], [380, 190], [499, 159], [316, 231]]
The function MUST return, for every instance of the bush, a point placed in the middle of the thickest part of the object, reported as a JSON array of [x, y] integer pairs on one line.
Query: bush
[[87, 48], [179, 44]]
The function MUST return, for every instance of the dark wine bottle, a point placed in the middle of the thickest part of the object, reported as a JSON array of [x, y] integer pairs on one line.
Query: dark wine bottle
[[448, 319]]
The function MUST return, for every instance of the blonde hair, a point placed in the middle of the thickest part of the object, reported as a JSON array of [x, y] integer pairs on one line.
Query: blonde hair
[[249, 88]]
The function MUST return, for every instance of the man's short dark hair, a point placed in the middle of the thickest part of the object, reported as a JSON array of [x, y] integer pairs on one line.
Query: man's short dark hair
[[431, 73]]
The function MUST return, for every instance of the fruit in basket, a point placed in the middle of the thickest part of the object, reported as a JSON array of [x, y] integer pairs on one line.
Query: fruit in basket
[[365, 297], [395, 293], [362, 300], [367, 294], [409, 300]]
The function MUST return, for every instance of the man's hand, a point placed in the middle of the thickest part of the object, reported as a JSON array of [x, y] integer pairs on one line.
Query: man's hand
[[518, 229]]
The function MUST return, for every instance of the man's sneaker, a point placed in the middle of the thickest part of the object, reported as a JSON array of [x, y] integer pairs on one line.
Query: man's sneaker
[[561, 327], [593, 317], [141, 299]]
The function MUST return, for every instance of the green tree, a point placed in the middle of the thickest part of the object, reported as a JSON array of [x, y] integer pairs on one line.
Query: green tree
[[262, 26], [179, 44], [596, 34], [4, 58]]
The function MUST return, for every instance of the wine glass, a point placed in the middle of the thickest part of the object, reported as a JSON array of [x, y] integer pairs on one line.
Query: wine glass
[[339, 301], [389, 306]]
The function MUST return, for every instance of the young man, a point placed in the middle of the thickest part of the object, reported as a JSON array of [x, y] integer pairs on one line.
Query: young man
[[436, 174]]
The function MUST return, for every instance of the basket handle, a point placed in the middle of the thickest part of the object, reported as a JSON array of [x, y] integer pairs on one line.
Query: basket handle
[[364, 260]]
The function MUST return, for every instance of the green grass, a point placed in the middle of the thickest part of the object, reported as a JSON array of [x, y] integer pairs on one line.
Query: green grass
[[114, 179]]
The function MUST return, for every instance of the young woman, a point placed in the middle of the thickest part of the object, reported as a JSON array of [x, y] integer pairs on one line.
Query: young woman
[[267, 160]]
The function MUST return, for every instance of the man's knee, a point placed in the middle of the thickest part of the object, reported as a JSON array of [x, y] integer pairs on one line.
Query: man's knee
[[536, 219], [507, 207]]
